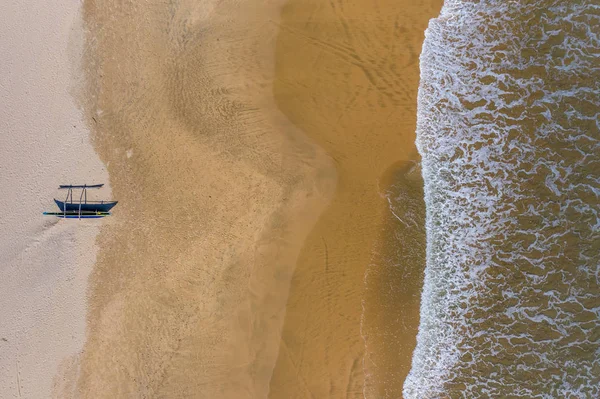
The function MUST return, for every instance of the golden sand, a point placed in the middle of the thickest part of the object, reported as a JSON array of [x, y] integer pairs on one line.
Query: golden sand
[[217, 192], [219, 187], [347, 74]]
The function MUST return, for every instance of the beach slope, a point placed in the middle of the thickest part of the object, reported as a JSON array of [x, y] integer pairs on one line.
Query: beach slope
[[218, 191]]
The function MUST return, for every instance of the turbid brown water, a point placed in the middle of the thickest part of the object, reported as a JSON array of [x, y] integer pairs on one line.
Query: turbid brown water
[[393, 284], [347, 74], [509, 134]]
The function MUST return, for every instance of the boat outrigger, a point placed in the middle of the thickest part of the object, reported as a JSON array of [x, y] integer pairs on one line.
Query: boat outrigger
[[83, 209]]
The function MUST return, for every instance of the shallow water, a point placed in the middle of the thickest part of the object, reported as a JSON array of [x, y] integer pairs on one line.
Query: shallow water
[[509, 135], [347, 74], [393, 283]]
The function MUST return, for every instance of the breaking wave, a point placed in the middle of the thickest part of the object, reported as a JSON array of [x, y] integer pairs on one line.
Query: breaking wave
[[509, 132]]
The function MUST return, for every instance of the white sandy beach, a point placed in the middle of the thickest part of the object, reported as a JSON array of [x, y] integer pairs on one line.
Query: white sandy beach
[[44, 261]]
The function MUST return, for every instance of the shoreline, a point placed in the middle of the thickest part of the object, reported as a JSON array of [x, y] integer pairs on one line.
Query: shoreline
[[356, 96], [393, 283], [45, 261]]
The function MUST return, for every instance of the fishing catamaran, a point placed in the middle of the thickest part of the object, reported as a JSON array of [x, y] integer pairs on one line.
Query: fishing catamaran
[[83, 209]]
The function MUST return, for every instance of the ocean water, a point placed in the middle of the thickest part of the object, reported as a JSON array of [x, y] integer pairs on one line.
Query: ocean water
[[509, 132]]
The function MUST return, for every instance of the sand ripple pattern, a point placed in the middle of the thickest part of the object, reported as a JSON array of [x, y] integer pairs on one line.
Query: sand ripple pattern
[[509, 133], [217, 191]]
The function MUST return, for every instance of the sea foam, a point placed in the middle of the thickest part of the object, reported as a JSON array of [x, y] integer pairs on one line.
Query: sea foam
[[509, 134]]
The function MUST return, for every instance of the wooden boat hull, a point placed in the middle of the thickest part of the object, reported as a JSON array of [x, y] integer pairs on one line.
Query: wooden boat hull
[[87, 207]]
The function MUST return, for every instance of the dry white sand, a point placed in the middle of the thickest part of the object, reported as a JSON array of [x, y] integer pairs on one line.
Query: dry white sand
[[44, 261]]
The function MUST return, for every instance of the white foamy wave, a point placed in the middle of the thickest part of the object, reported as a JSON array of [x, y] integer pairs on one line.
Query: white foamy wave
[[509, 134]]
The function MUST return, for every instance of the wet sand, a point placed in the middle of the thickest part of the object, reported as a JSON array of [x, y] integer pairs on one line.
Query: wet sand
[[248, 143], [347, 74], [217, 192]]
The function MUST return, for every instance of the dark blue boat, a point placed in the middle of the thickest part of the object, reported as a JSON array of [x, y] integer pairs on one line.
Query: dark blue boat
[[89, 206], [82, 208]]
